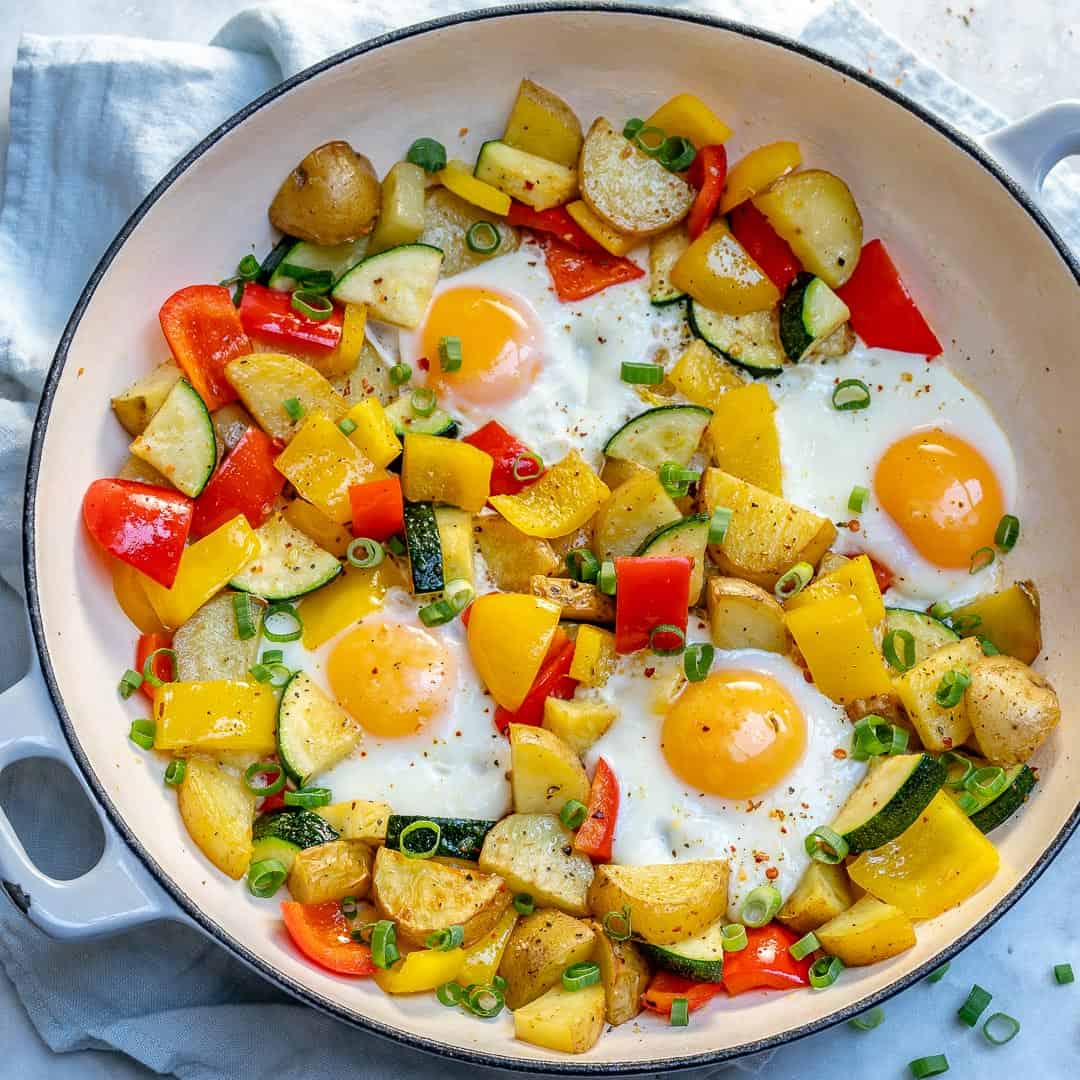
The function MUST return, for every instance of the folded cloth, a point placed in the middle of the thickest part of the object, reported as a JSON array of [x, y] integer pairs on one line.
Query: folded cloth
[[95, 121]]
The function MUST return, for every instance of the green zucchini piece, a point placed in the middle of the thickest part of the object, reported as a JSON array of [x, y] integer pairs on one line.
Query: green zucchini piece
[[664, 252], [894, 792], [930, 634], [337, 259], [313, 731], [690, 536], [274, 847], [748, 341], [699, 958], [461, 838], [396, 285], [809, 312], [301, 828], [527, 177], [1019, 782], [406, 422], [289, 563], [425, 548], [666, 433], [179, 440]]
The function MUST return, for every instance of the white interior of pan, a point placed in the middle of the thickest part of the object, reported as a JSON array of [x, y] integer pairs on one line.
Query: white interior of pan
[[987, 278]]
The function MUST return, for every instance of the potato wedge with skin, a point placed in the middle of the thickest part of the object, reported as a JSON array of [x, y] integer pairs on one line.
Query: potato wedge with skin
[[1011, 709], [580, 601], [624, 975], [217, 811], [331, 197], [569, 1021], [545, 773], [938, 728], [542, 123], [668, 903], [448, 217], [1010, 619], [867, 932], [542, 946], [422, 896], [207, 646], [823, 893], [534, 853], [370, 376], [744, 616], [625, 187], [578, 722], [636, 509], [138, 403], [513, 559], [331, 871]]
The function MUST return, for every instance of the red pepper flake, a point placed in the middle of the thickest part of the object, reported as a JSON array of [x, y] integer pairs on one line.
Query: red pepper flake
[[650, 672], [839, 753], [422, 363], [772, 873], [462, 132]]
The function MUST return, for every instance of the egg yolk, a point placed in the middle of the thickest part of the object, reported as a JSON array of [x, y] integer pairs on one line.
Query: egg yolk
[[735, 734], [500, 345], [391, 677], [943, 495]]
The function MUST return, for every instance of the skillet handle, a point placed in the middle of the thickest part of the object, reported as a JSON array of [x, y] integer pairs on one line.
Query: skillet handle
[[1031, 147], [118, 892]]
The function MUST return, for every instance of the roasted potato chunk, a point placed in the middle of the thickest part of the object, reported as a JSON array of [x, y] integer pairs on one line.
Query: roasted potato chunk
[[513, 559], [578, 722], [569, 1021], [624, 974], [823, 893], [208, 647], [545, 771], [448, 217], [330, 871], [938, 728], [358, 819], [580, 601], [744, 616], [1011, 709], [331, 197], [867, 932], [542, 946], [542, 123], [636, 509], [138, 403], [217, 811]]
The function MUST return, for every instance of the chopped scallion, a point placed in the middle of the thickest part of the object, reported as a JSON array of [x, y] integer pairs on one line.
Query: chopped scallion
[[667, 639], [794, 581], [1001, 1028], [293, 409], [1063, 974], [150, 677], [582, 564], [802, 948], [950, 691], [347, 426], [483, 238], [733, 937], [524, 903], [638, 374], [450, 994], [273, 778], [981, 559], [851, 395], [939, 973], [824, 971], [400, 373], [698, 660], [718, 524], [364, 553], [760, 905], [429, 154], [1007, 533], [130, 681], [856, 502], [528, 466], [617, 925], [899, 649], [384, 950], [677, 153], [245, 611], [934, 1065], [825, 846], [265, 877], [175, 772], [975, 1005], [573, 814], [450, 354], [282, 609], [450, 937], [606, 578], [423, 401], [308, 798], [142, 733], [680, 1012], [485, 1001], [421, 848], [312, 304], [578, 976], [868, 1020]]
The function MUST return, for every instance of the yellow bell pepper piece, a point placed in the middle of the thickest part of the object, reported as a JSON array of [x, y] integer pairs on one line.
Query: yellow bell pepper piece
[[442, 470], [691, 118], [425, 969], [608, 238], [346, 600], [458, 178], [205, 567], [717, 271], [930, 867], [374, 436], [744, 438], [509, 635], [128, 588], [839, 648], [562, 500], [482, 959], [701, 376], [757, 171], [855, 576], [344, 358], [313, 523], [594, 656], [216, 715], [322, 465]]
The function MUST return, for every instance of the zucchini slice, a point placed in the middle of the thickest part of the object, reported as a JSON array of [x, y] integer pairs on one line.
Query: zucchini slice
[[699, 958], [666, 433], [396, 285], [300, 828], [890, 797], [425, 548], [930, 634], [313, 732], [460, 838], [289, 563], [530, 179], [664, 252], [308, 256], [179, 440], [748, 341], [690, 536], [407, 422], [274, 847], [809, 312], [1019, 782]]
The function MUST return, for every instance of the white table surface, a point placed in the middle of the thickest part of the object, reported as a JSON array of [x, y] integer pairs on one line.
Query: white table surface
[[1017, 56]]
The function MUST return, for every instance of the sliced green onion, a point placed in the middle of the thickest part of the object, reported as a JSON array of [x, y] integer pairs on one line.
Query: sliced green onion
[[459, 594], [438, 613], [312, 304], [396, 546], [307, 278], [485, 1001], [663, 632], [282, 609], [277, 675], [293, 408], [423, 401], [856, 501], [578, 976], [483, 238], [1063, 974], [802, 948], [148, 674], [975, 1005], [981, 559], [363, 552], [175, 772], [934, 1065], [528, 466], [680, 1012], [606, 578], [793, 581], [964, 624], [988, 647], [142, 733], [450, 994], [346, 426], [265, 877], [641, 374], [448, 938], [524, 903], [348, 907], [733, 937], [718, 524], [850, 395], [957, 769], [986, 783], [941, 610], [902, 658], [272, 656], [245, 612], [824, 971], [950, 690], [428, 849], [400, 373], [649, 139], [938, 974], [309, 797], [1007, 532], [872, 737], [898, 742], [677, 153], [825, 846], [868, 1020], [573, 814], [247, 269], [676, 480], [271, 771], [760, 905], [429, 154], [384, 950], [967, 803], [1001, 1028], [632, 127], [582, 564], [617, 924], [130, 681], [450, 354], [698, 660]]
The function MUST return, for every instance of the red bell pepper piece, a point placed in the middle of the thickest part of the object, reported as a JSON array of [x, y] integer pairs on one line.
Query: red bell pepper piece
[[596, 835], [163, 666], [650, 592], [246, 482], [268, 316], [764, 245], [883, 312], [141, 524], [882, 574], [708, 174], [552, 680], [505, 451], [664, 988], [577, 275], [378, 508], [766, 963], [555, 222], [204, 332], [322, 934]]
